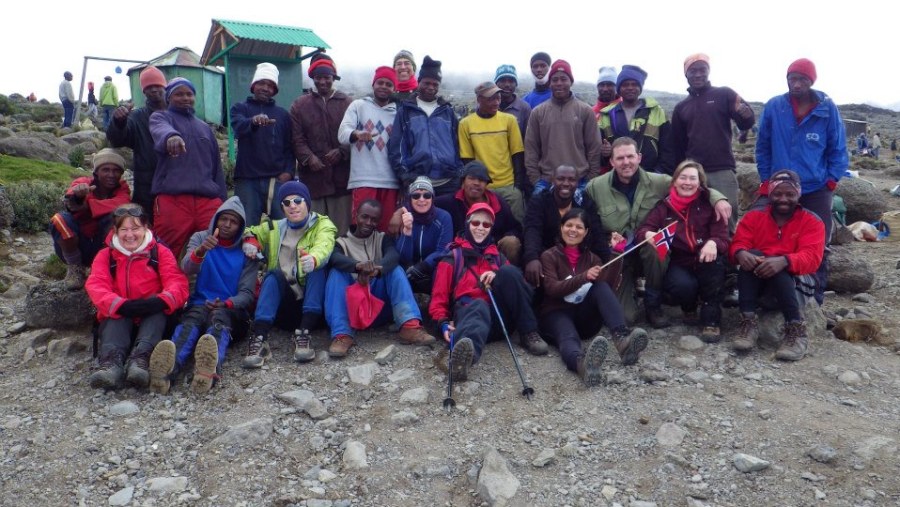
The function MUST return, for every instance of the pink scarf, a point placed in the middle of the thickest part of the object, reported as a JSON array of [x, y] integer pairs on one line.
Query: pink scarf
[[407, 86], [572, 255], [681, 203]]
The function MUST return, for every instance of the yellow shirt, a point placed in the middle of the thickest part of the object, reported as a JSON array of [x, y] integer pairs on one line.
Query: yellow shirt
[[493, 141]]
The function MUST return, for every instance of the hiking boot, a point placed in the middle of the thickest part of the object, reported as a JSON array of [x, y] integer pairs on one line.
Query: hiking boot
[[534, 344], [793, 346], [591, 361], [711, 334], [162, 367], [461, 359], [657, 318], [110, 374], [748, 334], [257, 352], [138, 373], [340, 346], [75, 276], [731, 299], [630, 343], [416, 336], [303, 351], [206, 362]]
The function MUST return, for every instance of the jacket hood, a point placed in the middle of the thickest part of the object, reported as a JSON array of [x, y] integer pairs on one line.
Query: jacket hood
[[232, 204]]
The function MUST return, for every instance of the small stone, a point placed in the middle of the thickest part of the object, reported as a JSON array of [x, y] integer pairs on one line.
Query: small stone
[[615, 377], [670, 435], [690, 343], [16, 328], [362, 374], [811, 477], [326, 476], [756, 376], [355, 456], [386, 355], [124, 408], [404, 418], [684, 362], [122, 497], [654, 373], [850, 378], [167, 484], [746, 463], [608, 492], [305, 401], [862, 297], [822, 453], [697, 377], [765, 415], [416, 396], [401, 375], [639, 503], [644, 419], [496, 484], [820, 495], [29, 355], [543, 459], [867, 493]]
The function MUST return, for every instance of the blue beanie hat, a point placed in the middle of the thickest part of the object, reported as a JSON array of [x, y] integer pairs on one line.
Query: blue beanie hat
[[175, 83], [506, 70], [294, 187], [631, 72]]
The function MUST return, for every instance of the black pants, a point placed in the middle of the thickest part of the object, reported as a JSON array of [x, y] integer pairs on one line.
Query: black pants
[[567, 327], [781, 287], [476, 319], [115, 334], [705, 281]]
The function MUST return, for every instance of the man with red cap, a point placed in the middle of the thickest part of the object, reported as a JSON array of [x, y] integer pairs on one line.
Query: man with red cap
[[131, 128], [366, 128], [561, 131], [802, 130], [265, 156], [324, 163]]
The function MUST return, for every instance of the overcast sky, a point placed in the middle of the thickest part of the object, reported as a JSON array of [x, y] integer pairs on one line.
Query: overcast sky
[[853, 44]]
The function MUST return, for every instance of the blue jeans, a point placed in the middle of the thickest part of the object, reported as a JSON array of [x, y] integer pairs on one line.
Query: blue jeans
[[68, 113], [107, 115], [392, 288], [275, 291], [254, 194]]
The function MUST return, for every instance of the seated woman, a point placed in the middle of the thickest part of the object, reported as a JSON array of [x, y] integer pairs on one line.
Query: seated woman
[[461, 305], [135, 283], [425, 232], [575, 293], [696, 266]]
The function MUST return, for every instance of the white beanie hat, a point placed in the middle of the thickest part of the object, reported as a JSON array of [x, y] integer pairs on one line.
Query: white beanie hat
[[268, 71], [607, 75]]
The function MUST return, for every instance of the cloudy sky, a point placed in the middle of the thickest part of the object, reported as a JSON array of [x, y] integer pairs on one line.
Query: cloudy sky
[[854, 44]]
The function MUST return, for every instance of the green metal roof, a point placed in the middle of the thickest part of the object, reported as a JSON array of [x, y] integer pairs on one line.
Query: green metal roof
[[294, 36]]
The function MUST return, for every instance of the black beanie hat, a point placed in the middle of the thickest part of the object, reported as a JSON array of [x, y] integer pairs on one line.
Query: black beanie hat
[[540, 55], [430, 68]]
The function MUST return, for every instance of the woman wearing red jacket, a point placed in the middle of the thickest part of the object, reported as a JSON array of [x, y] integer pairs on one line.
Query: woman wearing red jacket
[[697, 254], [461, 305], [134, 283]]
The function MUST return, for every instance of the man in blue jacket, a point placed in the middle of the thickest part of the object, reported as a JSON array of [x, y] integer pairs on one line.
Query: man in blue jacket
[[265, 156], [424, 138], [802, 130]]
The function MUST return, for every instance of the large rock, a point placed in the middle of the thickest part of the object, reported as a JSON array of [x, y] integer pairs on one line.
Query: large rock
[[52, 305], [85, 137], [864, 201], [771, 324], [848, 272], [496, 484], [36, 145], [748, 184]]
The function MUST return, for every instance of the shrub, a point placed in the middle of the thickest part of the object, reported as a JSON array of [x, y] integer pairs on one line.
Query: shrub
[[76, 157], [7, 106], [54, 268], [35, 202]]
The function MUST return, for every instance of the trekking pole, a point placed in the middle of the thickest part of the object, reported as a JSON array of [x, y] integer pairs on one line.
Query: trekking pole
[[449, 402], [527, 391]]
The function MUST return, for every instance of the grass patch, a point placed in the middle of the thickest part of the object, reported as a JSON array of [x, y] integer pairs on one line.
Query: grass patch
[[54, 268], [18, 169]]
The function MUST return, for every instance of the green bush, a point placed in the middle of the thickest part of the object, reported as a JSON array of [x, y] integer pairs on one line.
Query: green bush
[[8, 107], [54, 268], [35, 202], [76, 157]]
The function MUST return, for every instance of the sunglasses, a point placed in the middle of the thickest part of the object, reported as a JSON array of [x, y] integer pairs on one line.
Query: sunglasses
[[421, 195], [296, 201], [481, 223], [131, 212]]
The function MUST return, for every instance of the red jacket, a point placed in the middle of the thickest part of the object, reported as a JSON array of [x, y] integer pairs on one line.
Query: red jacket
[[96, 208], [135, 279], [467, 285], [801, 239]]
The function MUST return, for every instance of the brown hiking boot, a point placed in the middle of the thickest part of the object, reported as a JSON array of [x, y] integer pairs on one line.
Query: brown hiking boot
[[75, 276], [303, 351], [793, 346], [749, 333], [711, 334], [416, 336], [591, 362], [461, 359], [110, 374], [534, 344], [206, 362], [162, 366], [257, 352], [340, 345], [138, 373], [657, 318], [630, 343]]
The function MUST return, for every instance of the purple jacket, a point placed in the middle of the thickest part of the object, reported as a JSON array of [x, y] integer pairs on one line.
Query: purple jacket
[[198, 171]]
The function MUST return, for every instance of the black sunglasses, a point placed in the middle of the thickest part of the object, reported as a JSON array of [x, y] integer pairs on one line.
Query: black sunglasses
[[421, 195], [132, 212], [481, 223], [297, 201]]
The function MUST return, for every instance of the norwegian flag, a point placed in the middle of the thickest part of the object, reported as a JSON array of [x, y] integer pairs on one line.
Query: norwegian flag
[[663, 240]]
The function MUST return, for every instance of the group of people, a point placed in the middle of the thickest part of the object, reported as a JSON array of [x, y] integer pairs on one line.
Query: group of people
[[533, 215], [108, 102]]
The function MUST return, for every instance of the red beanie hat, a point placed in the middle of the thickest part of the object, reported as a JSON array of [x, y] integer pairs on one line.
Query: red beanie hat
[[561, 65], [152, 76], [805, 67], [385, 72], [323, 66]]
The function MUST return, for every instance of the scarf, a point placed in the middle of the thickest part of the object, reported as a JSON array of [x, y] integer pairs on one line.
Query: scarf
[[423, 219], [681, 203], [478, 247], [572, 255], [407, 86]]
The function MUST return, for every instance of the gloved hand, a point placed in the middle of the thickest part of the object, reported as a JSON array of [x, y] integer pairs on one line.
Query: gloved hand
[[250, 250], [419, 271], [142, 307], [307, 263]]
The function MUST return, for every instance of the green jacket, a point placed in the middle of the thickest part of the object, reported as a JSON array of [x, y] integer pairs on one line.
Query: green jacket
[[612, 205], [649, 128], [109, 95], [318, 241]]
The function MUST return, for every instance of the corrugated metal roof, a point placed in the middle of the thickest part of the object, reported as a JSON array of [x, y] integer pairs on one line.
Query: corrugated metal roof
[[278, 34]]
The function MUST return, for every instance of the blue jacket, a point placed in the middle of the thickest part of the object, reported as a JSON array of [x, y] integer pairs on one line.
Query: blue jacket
[[427, 242], [816, 149], [224, 272], [422, 145], [263, 152], [196, 172]]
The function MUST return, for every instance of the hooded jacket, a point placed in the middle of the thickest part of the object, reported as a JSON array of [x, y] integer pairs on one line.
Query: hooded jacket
[[448, 288], [423, 145], [263, 152], [317, 240], [135, 278], [196, 172], [224, 273]]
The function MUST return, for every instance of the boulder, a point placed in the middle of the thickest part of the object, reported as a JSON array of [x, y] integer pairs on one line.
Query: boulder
[[848, 272], [748, 184], [52, 305], [93, 137], [864, 201], [36, 145], [771, 324], [841, 235]]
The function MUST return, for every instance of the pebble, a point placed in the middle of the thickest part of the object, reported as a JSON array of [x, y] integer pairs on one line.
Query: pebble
[[122, 497], [765, 415], [690, 343], [305, 401], [862, 297], [404, 418], [401, 375], [543, 459], [822, 453], [820, 495], [354, 457], [697, 377], [416, 396], [326, 476], [167, 484], [746, 463], [685, 362], [16, 328], [386, 354], [608, 492], [362, 374], [29, 355], [615, 377], [850, 378], [654, 374], [124, 408], [639, 503], [670, 435]]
